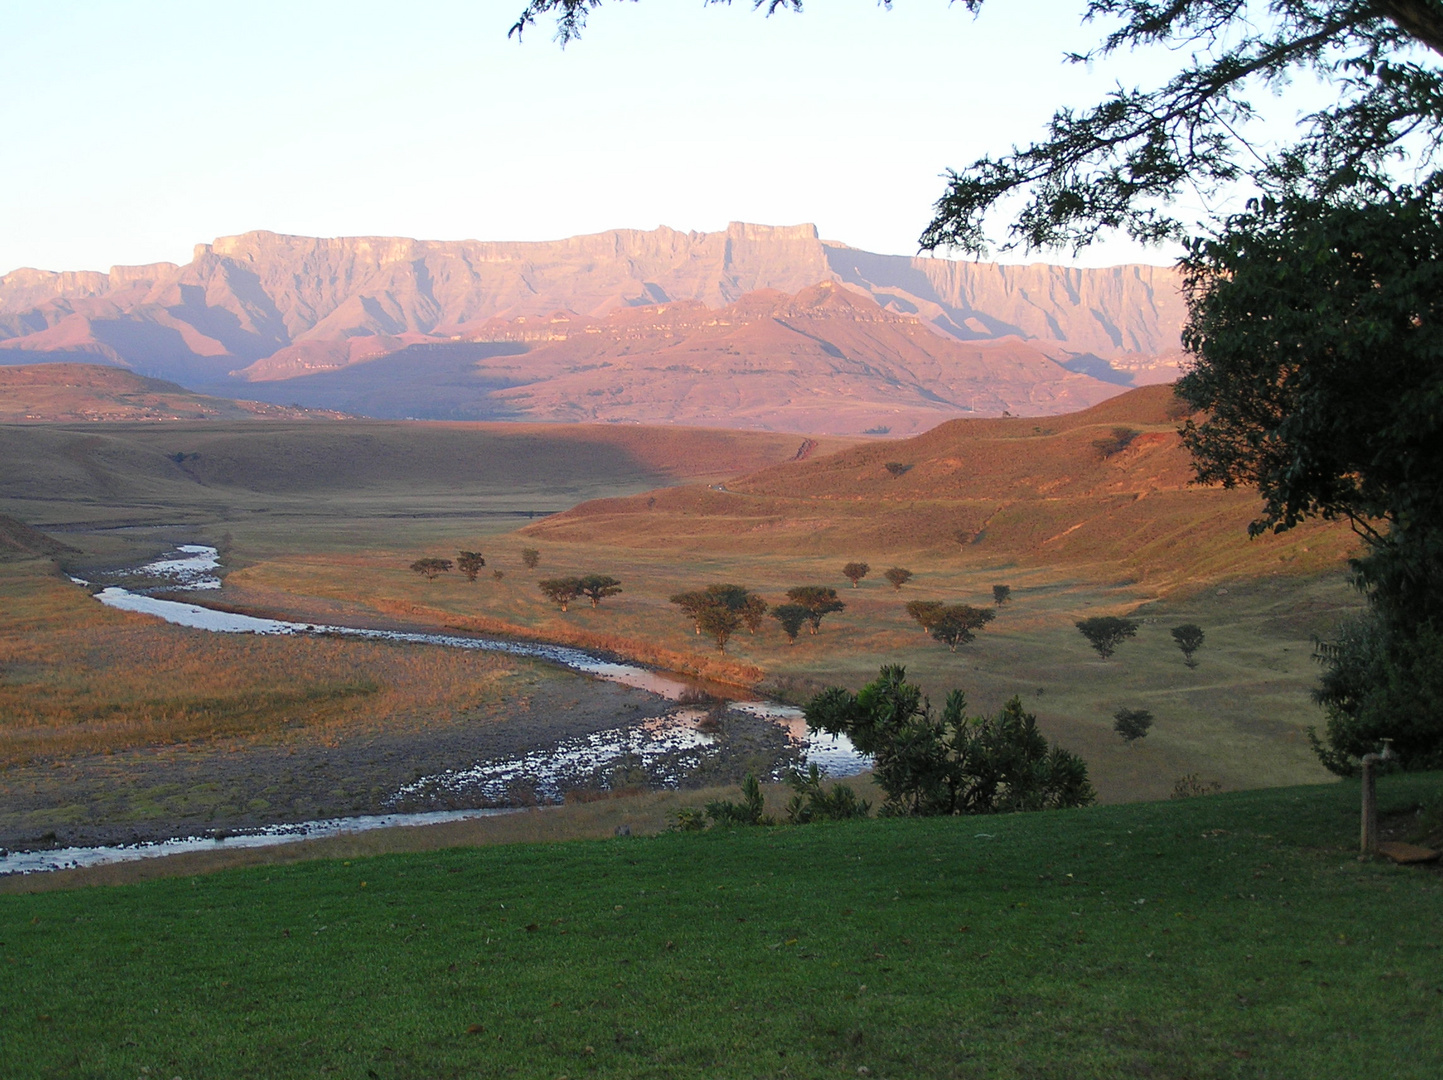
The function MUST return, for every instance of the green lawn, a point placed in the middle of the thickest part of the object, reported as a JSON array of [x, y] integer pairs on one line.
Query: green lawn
[[1236, 935]]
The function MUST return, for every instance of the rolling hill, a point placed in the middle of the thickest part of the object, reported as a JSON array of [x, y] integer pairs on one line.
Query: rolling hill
[[1108, 485], [47, 393]]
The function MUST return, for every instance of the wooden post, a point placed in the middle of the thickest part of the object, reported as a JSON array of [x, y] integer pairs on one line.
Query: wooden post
[[1369, 838]]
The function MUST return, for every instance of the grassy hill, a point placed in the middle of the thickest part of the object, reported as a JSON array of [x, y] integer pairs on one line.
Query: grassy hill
[[1228, 936], [1107, 485]]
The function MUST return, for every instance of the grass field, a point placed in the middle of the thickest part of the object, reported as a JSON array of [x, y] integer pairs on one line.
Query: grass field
[[1230, 936]]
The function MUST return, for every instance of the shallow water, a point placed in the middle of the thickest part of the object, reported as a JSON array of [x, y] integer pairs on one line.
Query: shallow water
[[31, 862], [665, 750]]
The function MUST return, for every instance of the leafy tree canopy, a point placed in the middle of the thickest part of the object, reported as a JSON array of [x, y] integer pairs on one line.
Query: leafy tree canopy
[[560, 591], [597, 587], [931, 764], [431, 568], [819, 600], [1119, 163], [1106, 632], [1189, 638], [1131, 724], [898, 576], [470, 563], [792, 618], [955, 624]]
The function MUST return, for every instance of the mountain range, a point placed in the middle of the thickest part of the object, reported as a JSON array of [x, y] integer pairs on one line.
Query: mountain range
[[756, 326]]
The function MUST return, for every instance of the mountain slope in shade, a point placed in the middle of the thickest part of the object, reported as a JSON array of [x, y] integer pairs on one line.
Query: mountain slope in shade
[[990, 492], [40, 393], [825, 360]]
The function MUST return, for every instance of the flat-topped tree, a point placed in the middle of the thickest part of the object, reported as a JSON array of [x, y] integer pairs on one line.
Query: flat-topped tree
[[855, 572], [819, 600], [1106, 632], [560, 591], [955, 624], [925, 612], [431, 569], [597, 587], [1189, 638], [898, 577], [470, 563]]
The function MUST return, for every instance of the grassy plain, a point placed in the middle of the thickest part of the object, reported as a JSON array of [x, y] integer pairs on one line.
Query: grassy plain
[[1229, 936]]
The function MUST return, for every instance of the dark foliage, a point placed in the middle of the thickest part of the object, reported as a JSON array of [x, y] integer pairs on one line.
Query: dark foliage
[[897, 577], [955, 624], [812, 802], [1189, 638], [925, 612], [560, 591], [1001, 594], [855, 572], [430, 569], [747, 812], [1132, 724], [819, 600], [949, 764], [597, 587], [792, 618], [470, 564], [1106, 632]]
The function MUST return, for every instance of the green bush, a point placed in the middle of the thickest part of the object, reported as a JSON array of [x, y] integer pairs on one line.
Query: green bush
[[812, 803], [950, 764]]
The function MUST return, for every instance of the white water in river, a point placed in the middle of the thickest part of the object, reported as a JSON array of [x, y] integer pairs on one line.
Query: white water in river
[[673, 738]]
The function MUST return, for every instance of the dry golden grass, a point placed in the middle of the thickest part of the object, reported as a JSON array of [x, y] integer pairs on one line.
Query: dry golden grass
[[80, 678]]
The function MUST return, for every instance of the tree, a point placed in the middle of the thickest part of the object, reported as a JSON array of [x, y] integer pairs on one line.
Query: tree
[[597, 587], [1001, 594], [1131, 724], [1189, 638], [737, 599], [693, 604], [925, 612], [470, 564], [950, 764], [792, 617], [898, 577], [431, 569], [955, 624], [1115, 442], [720, 622], [1106, 632], [1315, 326], [751, 611], [1118, 164], [819, 600], [530, 558], [560, 591], [855, 572]]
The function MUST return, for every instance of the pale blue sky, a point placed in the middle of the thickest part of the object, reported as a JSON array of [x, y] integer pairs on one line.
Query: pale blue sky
[[133, 129]]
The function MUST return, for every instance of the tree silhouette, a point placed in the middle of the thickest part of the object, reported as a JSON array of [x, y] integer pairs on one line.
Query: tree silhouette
[[470, 564], [1131, 724], [1189, 638], [1001, 594], [560, 591], [819, 600], [955, 624], [925, 612], [720, 622], [855, 572], [1106, 632], [792, 617], [597, 587], [430, 569], [530, 557]]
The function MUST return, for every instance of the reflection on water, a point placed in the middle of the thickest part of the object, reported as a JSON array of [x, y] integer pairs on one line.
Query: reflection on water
[[659, 753], [31, 862]]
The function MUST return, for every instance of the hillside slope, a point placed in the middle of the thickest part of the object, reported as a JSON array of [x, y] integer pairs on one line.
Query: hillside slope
[[999, 491], [48, 393]]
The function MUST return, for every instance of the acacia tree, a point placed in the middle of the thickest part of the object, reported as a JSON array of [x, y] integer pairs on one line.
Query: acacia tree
[[819, 600], [1189, 638], [855, 572], [1106, 632], [925, 612], [597, 587], [720, 622], [792, 618], [530, 557], [736, 599], [897, 577], [955, 624], [560, 591], [470, 564], [431, 568]]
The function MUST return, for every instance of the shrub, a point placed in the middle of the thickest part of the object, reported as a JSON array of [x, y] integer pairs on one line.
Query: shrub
[[950, 764], [1191, 785], [1131, 724], [746, 812], [1115, 443], [812, 803], [530, 557], [1001, 594]]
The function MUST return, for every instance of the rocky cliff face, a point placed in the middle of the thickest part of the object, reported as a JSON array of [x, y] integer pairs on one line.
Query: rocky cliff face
[[288, 307]]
